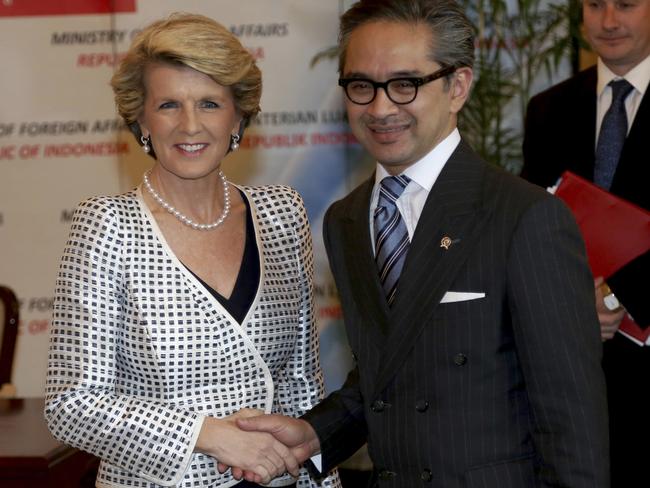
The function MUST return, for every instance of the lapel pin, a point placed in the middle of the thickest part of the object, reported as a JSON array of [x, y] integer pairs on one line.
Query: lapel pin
[[447, 241]]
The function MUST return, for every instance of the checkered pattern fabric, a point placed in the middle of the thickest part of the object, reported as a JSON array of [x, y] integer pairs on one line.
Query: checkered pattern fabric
[[140, 352]]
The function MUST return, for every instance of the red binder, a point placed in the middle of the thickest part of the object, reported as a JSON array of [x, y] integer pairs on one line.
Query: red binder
[[615, 232]]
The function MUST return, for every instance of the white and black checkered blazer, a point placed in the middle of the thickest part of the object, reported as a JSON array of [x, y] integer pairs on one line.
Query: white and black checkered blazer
[[140, 352]]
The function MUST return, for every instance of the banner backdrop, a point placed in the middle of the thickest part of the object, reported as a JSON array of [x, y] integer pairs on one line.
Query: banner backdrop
[[61, 141]]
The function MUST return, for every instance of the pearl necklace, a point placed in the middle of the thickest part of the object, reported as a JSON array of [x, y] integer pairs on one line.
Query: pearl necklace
[[184, 218]]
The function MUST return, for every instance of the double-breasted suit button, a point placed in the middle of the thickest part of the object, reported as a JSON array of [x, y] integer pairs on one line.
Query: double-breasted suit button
[[386, 475], [460, 359], [378, 406], [426, 475], [421, 405]]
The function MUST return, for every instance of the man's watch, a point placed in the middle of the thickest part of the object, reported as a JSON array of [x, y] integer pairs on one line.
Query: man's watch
[[609, 299]]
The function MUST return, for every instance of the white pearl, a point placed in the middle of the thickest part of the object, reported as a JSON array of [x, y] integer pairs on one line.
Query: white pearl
[[183, 218]]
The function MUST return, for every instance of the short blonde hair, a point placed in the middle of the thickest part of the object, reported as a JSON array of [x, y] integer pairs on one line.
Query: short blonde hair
[[197, 42]]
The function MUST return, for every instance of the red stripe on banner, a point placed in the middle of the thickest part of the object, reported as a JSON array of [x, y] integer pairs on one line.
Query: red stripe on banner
[[24, 8]]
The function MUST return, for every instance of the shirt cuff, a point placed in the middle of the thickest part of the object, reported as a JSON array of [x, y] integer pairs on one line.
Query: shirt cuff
[[317, 461]]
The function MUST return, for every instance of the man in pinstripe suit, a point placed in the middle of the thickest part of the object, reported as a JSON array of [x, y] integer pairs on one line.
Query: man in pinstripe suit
[[483, 369]]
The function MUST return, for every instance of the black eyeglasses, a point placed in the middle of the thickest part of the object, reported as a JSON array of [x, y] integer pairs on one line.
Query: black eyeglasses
[[399, 90]]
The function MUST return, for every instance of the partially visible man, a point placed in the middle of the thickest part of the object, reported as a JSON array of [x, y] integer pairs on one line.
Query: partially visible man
[[601, 120], [465, 290]]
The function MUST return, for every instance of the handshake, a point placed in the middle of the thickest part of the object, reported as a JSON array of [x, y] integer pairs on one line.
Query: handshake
[[258, 447]]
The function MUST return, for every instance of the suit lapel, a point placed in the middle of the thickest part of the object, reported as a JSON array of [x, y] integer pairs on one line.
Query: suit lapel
[[454, 209], [630, 165], [364, 278], [585, 126]]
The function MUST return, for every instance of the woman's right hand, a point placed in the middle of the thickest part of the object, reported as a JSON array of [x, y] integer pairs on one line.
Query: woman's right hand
[[256, 452]]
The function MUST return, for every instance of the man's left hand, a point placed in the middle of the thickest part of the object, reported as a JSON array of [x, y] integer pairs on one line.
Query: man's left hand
[[610, 320]]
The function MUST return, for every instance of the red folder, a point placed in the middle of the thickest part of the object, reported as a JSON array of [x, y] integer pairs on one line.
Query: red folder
[[615, 232]]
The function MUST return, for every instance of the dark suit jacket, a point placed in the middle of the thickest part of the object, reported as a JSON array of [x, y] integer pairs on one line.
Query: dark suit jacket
[[502, 391], [561, 135]]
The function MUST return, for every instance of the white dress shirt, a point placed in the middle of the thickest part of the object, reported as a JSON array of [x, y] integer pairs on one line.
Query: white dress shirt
[[423, 175], [638, 77]]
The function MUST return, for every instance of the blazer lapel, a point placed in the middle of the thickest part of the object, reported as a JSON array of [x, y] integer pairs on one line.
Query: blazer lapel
[[364, 279], [454, 210]]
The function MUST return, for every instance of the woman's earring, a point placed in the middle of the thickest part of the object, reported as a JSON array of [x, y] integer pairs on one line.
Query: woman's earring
[[234, 142], [145, 144]]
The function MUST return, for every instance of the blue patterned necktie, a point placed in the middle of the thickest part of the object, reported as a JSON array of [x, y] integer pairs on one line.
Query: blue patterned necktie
[[611, 138], [391, 237]]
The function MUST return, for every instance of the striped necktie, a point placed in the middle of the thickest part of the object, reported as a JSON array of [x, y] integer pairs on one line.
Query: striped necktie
[[391, 237], [611, 138]]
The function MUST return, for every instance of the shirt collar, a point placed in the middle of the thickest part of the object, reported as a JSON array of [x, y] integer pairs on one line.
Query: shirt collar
[[638, 77], [425, 171]]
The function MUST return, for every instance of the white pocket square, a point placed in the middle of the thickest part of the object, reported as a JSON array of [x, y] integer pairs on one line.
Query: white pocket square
[[459, 296]]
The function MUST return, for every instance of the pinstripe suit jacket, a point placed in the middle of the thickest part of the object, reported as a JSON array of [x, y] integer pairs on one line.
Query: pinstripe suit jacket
[[503, 391], [140, 352]]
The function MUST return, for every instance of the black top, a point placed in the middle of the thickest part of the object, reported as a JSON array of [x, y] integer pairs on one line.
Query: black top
[[243, 293]]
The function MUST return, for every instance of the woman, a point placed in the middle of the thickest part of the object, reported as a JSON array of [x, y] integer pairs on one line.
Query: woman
[[187, 301]]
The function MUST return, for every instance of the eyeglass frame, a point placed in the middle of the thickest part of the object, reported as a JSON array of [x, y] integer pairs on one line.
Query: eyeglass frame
[[417, 81]]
